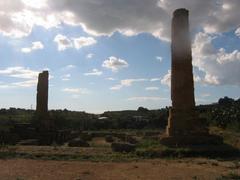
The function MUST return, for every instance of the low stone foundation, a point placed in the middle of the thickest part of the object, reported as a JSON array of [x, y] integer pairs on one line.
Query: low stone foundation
[[179, 141], [183, 122]]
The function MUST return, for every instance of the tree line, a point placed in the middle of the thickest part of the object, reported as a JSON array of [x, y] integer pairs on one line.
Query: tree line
[[225, 114]]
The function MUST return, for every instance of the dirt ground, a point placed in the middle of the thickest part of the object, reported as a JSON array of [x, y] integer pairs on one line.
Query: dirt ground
[[26, 169]]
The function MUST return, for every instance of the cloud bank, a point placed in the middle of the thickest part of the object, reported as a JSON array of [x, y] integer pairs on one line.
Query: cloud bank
[[131, 17], [104, 17]]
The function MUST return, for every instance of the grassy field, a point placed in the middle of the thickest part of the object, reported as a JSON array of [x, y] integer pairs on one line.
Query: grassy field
[[148, 147], [149, 153]]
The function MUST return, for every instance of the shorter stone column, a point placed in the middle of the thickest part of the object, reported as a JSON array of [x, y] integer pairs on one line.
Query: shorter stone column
[[42, 101]]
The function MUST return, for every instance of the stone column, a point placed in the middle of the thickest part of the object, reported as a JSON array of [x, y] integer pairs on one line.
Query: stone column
[[184, 125], [182, 90], [181, 115], [42, 100]]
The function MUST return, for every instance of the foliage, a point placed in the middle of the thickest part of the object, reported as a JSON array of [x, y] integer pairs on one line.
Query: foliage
[[225, 114]]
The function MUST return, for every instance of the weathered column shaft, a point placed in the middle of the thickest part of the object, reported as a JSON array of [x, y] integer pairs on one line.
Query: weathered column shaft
[[42, 102], [184, 126], [182, 116], [42, 93], [182, 88]]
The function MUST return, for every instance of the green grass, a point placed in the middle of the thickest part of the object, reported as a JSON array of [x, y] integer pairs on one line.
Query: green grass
[[147, 148], [113, 157], [19, 178], [153, 149], [230, 137]]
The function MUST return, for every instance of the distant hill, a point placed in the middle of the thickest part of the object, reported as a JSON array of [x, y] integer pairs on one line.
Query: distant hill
[[225, 113]]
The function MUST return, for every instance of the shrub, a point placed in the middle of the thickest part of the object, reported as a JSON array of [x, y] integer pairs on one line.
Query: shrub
[[123, 147], [109, 139], [78, 143]]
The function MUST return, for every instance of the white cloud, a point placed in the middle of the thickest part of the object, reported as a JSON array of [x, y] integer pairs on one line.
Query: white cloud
[[116, 87], [29, 76], [115, 64], [237, 32], [159, 58], [146, 98], [224, 57], [129, 82], [220, 67], [26, 50], [63, 42], [18, 18], [36, 4], [68, 67], [19, 72], [94, 72], [110, 79], [126, 83], [151, 88], [104, 17], [76, 90], [35, 46], [211, 79], [205, 95], [153, 16], [197, 78], [66, 77], [83, 41], [166, 80], [155, 79], [89, 56], [28, 83], [213, 16]]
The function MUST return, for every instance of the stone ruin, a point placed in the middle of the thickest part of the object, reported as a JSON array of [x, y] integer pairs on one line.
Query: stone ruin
[[47, 133], [184, 126], [42, 101]]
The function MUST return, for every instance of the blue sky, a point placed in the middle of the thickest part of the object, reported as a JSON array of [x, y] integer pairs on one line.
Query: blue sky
[[113, 59]]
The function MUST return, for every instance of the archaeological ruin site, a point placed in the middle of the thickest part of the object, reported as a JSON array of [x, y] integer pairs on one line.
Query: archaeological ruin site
[[146, 122], [184, 126]]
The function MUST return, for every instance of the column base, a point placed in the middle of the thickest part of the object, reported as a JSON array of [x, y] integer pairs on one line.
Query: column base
[[191, 140], [186, 128], [183, 122]]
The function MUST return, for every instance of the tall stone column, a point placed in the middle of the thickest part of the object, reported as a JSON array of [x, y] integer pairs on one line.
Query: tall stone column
[[182, 115], [182, 88], [184, 125], [42, 100]]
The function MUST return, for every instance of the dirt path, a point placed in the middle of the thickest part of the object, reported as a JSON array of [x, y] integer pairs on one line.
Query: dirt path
[[22, 169]]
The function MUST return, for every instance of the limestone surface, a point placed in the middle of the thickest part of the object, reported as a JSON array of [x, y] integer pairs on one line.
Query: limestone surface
[[42, 100], [184, 125]]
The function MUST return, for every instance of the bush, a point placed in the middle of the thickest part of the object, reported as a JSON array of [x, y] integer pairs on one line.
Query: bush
[[123, 147], [78, 143], [109, 139], [86, 136], [131, 140], [29, 142]]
